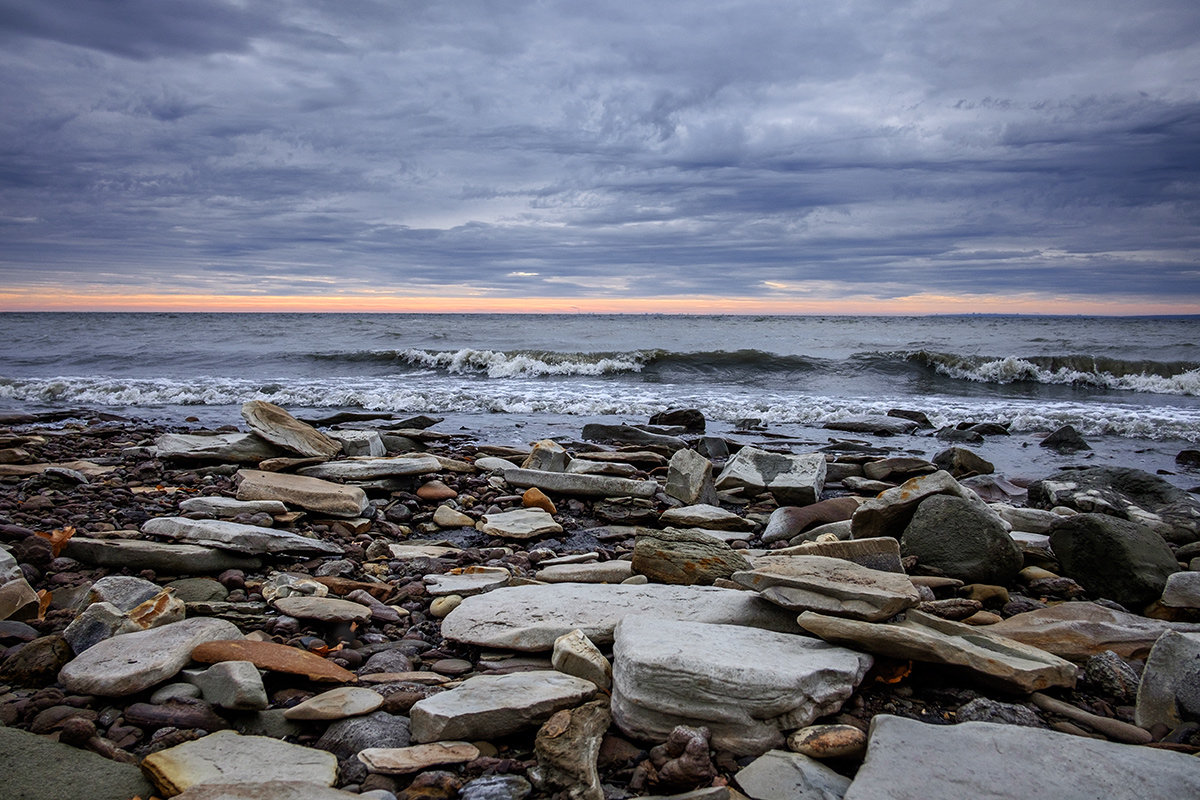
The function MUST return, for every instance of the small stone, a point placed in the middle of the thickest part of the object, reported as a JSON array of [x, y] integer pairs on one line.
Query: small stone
[[829, 741], [983, 709], [536, 498], [406, 760], [435, 491], [548, 456], [345, 701], [441, 606], [447, 517], [705, 516], [575, 654], [345, 738], [690, 478], [467, 581], [1110, 673], [231, 684], [524, 523]]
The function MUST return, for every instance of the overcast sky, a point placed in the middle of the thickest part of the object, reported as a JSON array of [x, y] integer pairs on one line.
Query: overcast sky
[[807, 153]]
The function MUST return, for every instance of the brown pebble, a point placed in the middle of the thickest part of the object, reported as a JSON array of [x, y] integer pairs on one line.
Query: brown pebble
[[829, 741], [536, 498], [435, 490]]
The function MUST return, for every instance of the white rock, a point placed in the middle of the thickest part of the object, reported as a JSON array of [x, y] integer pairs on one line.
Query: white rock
[[365, 469], [1170, 679], [580, 485], [792, 479], [360, 443], [575, 654], [521, 523], [469, 581], [606, 572], [831, 586], [236, 448], [231, 684], [228, 757], [1182, 590]]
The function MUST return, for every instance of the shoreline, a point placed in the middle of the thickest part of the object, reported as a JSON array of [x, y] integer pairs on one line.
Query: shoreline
[[400, 561]]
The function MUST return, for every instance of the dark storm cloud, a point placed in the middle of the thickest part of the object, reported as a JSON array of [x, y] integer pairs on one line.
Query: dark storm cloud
[[759, 149]]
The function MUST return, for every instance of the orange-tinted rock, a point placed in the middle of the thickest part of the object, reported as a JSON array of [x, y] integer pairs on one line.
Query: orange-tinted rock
[[435, 490], [536, 498], [274, 657]]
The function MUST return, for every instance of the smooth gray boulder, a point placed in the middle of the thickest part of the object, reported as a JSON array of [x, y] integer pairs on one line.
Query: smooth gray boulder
[[131, 662], [532, 617], [1169, 692], [312, 494], [490, 706], [1124, 493], [690, 478], [229, 448], [1113, 558], [910, 760], [346, 737], [38, 768], [367, 469], [176, 559], [961, 540], [746, 686], [235, 536], [791, 479], [285, 431], [579, 485], [1182, 590], [830, 586], [889, 513]]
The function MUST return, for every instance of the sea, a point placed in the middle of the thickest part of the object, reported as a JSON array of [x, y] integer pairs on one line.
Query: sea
[[1131, 385]]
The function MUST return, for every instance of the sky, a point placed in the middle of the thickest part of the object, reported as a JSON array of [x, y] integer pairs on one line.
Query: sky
[[822, 156]]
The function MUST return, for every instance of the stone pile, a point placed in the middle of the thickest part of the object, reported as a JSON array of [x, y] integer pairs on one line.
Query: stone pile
[[394, 612]]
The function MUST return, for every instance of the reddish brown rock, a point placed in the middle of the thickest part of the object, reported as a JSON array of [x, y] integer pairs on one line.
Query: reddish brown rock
[[536, 498], [435, 490], [274, 657]]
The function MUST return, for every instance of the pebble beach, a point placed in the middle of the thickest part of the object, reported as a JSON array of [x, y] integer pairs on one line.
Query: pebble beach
[[381, 606]]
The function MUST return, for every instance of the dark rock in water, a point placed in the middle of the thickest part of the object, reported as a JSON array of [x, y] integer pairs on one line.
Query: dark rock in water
[[689, 419], [713, 447], [1126, 494], [963, 463], [987, 428], [955, 536], [955, 435], [1188, 458], [1113, 558], [1066, 440], [879, 426], [916, 416]]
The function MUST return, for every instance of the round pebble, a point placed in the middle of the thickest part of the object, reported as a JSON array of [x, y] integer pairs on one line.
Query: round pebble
[[442, 606], [829, 741]]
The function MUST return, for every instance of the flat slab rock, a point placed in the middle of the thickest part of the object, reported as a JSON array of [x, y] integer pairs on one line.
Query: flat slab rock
[[173, 558], [521, 523], [325, 609], [250, 539], [1078, 631], [490, 706], [271, 790], [924, 637], [274, 657], [366, 468], [579, 485], [312, 494], [285, 431], [229, 757], [531, 617], [746, 686], [830, 586], [38, 768], [229, 448], [404, 760], [131, 662], [910, 760]]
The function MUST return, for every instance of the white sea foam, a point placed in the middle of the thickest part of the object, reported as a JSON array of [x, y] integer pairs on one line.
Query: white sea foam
[[497, 364], [1014, 369]]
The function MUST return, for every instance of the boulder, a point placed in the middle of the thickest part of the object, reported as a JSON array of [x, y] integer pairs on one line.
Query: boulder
[[1169, 692], [368, 469], [830, 586], [747, 686], [788, 522], [286, 432], [1113, 558], [492, 706], [345, 738], [229, 757], [249, 539], [690, 478], [227, 448], [312, 494], [532, 617], [1065, 440], [890, 512], [1182, 590], [962, 540], [910, 760], [1126, 494], [963, 463], [577, 485], [690, 419], [684, 557], [791, 479], [923, 637]]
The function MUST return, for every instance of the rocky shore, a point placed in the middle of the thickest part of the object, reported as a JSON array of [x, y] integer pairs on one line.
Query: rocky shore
[[369, 606]]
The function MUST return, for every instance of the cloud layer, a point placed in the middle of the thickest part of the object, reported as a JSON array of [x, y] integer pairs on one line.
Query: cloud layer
[[769, 150]]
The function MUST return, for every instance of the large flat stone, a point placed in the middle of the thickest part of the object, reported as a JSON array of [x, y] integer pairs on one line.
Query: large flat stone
[[532, 617], [228, 757], [172, 559], [924, 637], [577, 485], [686, 557], [910, 760], [830, 586], [229, 448], [131, 662], [250, 539], [308, 493], [1078, 631], [38, 768], [366, 469], [274, 657], [269, 790], [792, 479], [285, 431], [219, 506], [746, 686], [490, 706], [520, 523], [779, 774]]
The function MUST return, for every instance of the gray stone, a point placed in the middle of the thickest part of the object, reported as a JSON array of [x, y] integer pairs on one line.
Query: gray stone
[[963, 463], [585, 466], [129, 663], [1170, 686], [366, 469], [684, 557], [199, 590], [606, 572], [780, 775], [705, 516], [415, 758], [285, 431], [830, 586], [1029, 520], [881, 553], [235, 536], [567, 747], [690, 478], [1113, 558], [788, 522], [910, 760], [1110, 673], [231, 684], [1077, 631], [521, 523], [470, 581], [576, 485], [312, 494], [575, 654], [227, 757], [1124, 493], [961, 540], [229, 448], [1065, 440], [230, 507], [890, 512], [791, 479], [339, 703], [325, 609], [345, 738], [167, 558], [494, 464], [496, 787], [983, 709], [491, 706], [360, 443], [531, 617], [923, 637], [123, 591], [547, 455], [38, 768], [1182, 590], [627, 434], [746, 686], [100, 621]]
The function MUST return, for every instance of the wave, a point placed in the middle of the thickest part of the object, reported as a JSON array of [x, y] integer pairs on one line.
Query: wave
[[1152, 377], [589, 398]]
